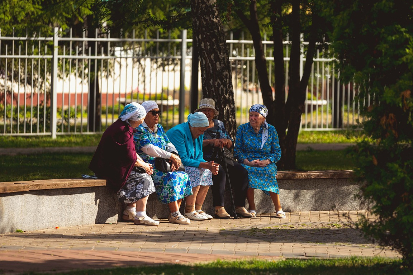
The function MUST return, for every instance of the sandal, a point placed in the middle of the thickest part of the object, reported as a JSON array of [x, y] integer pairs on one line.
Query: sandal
[[242, 212], [221, 213], [280, 214], [129, 214], [253, 213]]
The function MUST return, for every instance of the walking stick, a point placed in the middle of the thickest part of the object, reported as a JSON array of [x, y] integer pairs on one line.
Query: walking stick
[[219, 153]]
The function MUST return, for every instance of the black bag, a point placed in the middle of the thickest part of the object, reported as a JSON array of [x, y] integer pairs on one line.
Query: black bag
[[164, 165]]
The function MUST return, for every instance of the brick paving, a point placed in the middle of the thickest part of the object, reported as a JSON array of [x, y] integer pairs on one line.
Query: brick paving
[[315, 234]]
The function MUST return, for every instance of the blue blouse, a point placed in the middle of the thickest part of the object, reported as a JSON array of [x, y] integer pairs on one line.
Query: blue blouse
[[189, 149]]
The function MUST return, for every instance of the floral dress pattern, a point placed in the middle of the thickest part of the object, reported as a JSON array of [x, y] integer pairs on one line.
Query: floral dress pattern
[[248, 146], [137, 186], [171, 186]]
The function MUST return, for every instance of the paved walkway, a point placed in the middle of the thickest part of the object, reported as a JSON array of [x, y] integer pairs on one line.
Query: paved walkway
[[320, 234]]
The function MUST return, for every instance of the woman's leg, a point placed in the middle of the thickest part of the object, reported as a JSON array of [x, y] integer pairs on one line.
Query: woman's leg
[[276, 200], [200, 198], [218, 188], [250, 198], [173, 206], [190, 200], [141, 204]]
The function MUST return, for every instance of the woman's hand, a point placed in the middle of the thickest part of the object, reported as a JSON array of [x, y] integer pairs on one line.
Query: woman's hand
[[216, 142], [257, 162], [226, 143], [176, 161], [214, 167], [148, 168], [211, 165]]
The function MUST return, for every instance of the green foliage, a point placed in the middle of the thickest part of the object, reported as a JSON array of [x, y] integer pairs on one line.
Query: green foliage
[[373, 41]]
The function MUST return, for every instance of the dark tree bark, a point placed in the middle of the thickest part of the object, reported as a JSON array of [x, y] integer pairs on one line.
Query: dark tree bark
[[284, 115], [214, 60]]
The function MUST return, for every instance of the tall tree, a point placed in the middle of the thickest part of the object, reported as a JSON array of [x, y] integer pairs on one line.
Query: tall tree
[[373, 41], [296, 17], [214, 59]]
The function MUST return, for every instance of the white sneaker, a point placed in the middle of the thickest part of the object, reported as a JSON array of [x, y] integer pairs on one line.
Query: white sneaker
[[204, 214], [179, 219], [195, 216], [145, 220]]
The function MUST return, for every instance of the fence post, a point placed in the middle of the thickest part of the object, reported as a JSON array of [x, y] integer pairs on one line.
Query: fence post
[[182, 78], [53, 90]]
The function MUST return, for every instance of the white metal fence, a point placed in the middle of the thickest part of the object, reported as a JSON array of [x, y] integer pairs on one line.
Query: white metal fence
[[78, 85]]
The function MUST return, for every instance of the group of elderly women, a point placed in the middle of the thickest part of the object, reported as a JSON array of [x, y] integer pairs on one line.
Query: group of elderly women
[[130, 147]]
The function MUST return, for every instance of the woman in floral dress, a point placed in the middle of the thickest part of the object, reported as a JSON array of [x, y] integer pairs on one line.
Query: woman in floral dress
[[257, 148], [151, 141]]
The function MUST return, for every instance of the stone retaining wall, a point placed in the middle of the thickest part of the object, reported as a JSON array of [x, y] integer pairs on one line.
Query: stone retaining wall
[[34, 205]]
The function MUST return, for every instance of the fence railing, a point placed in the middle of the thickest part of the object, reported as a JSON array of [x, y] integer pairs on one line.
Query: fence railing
[[77, 85]]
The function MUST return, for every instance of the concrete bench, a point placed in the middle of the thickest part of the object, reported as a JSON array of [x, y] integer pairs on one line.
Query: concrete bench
[[39, 204]]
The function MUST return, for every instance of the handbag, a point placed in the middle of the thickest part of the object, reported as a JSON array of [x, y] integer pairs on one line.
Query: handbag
[[164, 165]]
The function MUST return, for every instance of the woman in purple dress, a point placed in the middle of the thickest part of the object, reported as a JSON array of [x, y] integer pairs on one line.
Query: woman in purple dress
[[125, 172]]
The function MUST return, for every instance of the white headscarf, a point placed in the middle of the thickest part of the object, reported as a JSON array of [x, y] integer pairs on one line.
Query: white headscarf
[[133, 111], [150, 105]]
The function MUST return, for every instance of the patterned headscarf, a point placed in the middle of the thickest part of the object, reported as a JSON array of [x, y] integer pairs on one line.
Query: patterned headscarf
[[150, 105], [198, 119], [259, 108], [133, 111], [262, 110]]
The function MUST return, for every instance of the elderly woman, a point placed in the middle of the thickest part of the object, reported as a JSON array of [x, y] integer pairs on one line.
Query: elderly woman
[[187, 138], [216, 138], [126, 173], [151, 142], [257, 148]]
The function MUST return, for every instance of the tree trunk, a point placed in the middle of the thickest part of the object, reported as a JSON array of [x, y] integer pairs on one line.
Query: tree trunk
[[214, 59]]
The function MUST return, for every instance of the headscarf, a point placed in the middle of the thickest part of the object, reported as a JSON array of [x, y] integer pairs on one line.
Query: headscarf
[[133, 111], [262, 110], [259, 108], [150, 105], [198, 119]]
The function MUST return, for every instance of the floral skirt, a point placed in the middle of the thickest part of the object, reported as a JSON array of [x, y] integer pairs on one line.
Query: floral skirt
[[137, 186], [199, 176], [171, 186]]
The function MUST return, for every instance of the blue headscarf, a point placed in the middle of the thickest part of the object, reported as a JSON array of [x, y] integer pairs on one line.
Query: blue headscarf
[[198, 119], [262, 110], [259, 108], [133, 111]]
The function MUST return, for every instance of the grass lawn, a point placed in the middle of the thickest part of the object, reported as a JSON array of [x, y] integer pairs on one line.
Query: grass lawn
[[73, 165], [93, 140], [346, 266]]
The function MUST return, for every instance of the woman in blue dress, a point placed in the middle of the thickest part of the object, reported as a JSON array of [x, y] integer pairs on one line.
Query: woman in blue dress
[[151, 141], [257, 148]]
